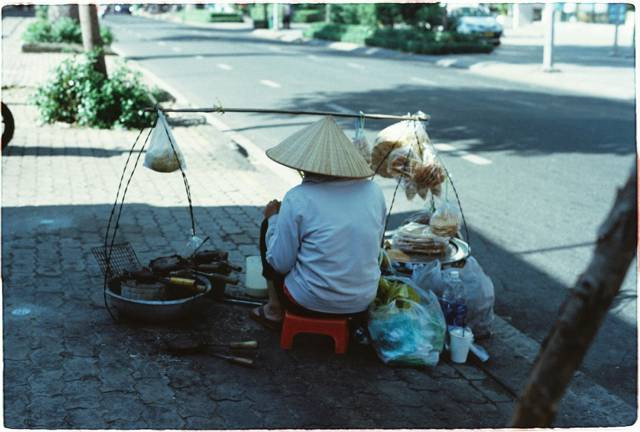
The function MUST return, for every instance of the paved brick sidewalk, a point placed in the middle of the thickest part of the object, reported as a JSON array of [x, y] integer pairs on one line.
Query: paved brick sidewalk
[[68, 365]]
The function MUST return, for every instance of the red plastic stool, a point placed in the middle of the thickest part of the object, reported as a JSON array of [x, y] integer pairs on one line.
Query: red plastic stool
[[337, 328]]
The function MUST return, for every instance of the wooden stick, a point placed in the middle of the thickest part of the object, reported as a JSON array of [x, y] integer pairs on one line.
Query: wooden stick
[[221, 110]]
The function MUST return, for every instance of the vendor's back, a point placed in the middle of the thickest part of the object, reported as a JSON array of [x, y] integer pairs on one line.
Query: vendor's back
[[341, 225]]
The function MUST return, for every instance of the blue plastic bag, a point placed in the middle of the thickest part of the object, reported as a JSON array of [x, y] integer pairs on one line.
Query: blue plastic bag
[[407, 332]]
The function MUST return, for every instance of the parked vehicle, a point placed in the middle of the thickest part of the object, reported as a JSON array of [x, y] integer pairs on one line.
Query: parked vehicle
[[475, 20]]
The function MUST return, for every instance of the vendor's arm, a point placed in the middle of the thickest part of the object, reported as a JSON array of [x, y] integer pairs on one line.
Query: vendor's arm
[[283, 239]]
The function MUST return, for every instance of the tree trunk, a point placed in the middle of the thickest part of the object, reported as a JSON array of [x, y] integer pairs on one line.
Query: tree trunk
[[91, 35], [63, 11], [582, 313]]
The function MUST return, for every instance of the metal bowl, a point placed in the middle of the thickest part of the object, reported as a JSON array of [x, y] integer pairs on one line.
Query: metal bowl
[[457, 250], [157, 311]]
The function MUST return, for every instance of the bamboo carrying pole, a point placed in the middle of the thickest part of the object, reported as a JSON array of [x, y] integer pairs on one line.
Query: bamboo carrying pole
[[418, 116]]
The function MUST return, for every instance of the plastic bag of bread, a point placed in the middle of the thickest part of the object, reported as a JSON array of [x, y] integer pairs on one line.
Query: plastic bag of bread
[[429, 176], [409, 134], [446, 220], [403, 162], [163, 154], [415, 238]]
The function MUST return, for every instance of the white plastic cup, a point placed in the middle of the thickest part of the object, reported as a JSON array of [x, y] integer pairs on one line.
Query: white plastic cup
[[255, 284], [460, 340]]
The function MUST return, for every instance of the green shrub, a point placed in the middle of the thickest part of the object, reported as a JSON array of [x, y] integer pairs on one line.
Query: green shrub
[[339, 32], [426, 42], [204, 15], [63, 30], [408, 40], [66, 30], [307, 15], [42, 12], [225, 17], [37, 31], [79, 94]]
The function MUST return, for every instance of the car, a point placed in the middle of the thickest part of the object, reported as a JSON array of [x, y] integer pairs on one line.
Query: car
[[475, 20]]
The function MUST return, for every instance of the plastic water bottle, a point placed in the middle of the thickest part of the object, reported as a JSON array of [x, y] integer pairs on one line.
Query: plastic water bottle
[[448, 301], [460, 299]]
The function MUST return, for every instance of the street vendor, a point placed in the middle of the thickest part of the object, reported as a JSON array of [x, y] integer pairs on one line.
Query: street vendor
[[320, 246]]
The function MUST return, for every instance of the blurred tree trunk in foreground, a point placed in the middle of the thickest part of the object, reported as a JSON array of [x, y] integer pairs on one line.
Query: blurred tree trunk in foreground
[[91, 39], [55, 12], [582, 312]]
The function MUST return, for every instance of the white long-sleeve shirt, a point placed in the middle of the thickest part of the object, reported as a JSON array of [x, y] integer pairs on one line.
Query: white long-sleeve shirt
[[326, 239]]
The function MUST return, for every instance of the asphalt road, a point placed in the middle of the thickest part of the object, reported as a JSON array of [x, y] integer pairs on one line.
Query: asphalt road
[[536, 169]]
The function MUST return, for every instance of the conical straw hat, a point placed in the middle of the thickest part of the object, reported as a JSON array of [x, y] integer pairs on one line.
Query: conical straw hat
[[321, 148]]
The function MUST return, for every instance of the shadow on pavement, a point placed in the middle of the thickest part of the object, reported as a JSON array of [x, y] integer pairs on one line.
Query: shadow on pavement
[[59, 339], [495, 120], [67, 336], [572, 54], [18, 11], [13, 150], [208, 55]]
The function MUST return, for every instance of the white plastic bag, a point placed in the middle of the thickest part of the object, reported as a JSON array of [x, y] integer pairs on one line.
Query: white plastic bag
[[406, 331], [480, 294], [480, 298], [161, 154], [361, 144]]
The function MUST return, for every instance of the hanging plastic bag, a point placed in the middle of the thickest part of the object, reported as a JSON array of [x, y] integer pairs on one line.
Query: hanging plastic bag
[[360, 141], [406, 324], [446, 220], [429, 176], [163, 154], [409, 134]]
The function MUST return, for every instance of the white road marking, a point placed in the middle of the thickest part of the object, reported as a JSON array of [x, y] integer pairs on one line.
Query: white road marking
[[224, 66], [422, 81], [339, 108], [176, 49], [371, 51], [475, 159], [444, 147], [199, 57], [313, 57], [355, 65], [269, 83], [273, 48], [469, 157], [161, 43]]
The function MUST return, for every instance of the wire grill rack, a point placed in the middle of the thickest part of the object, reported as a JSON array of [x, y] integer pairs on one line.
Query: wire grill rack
[[123, 258]]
